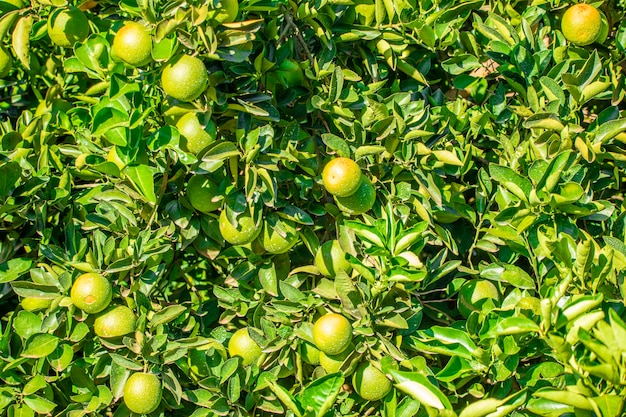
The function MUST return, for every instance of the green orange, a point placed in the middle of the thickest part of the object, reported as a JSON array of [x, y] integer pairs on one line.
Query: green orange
[[243, 346], [202, 192], [195, 136], [332, 363], [331, 258], [278, 234], [133, 44], [91, 292], [245, 231], [226, 12], [360, 201], [342, 177], [142, 392], [68, 26], [370, 383], [184, 78], [332, 333], [115, 321], [474, 294], [310, 354]]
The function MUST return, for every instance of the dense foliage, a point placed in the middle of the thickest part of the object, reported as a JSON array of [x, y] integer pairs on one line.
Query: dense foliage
[[486, 280]]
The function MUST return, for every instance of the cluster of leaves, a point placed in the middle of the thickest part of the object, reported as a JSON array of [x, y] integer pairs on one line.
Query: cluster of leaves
[[496, 149]]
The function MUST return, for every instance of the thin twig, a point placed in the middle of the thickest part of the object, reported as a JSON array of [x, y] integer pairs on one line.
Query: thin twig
[[296, 30]]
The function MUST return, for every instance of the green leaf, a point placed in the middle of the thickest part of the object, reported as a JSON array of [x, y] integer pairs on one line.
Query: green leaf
[[7, 20], [367, 233], [553, 172], [117, 379], [615, 244], [61, 358], [336, 144], [608, 130], [420, 388], [111, 122], [36, 383], [297, 215], [142, 177], [268, 279], [348, 294], [510, 326], [460, 63], [21, 39], [320, 395], [336, 85], [363, 151], [507, 273], [511, 180], [608, 405], [26, 324], [228, 369], [125, 363], [565, 397], [548, 121], [217, 153], [40, 346], [286, 398], [167, 315], [40, 404], [10, 173], [14, 268]]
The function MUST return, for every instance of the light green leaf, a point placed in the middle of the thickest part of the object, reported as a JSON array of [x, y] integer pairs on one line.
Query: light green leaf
[[320, 395], [40, 345], [14, 268], [510, 274], [143, 178], [21, 39], [511, 180], [167, 315], [420, 388]]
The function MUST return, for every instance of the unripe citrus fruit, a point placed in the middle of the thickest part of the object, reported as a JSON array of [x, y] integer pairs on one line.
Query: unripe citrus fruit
[[91, 292], [6, 62], [195, 137], [68, 26], [341, 177], [184, 78], [115, 321], [310, 354], [201, 192], [581, 24], [289, 73], [361, 201], [604, 31], [332, 363], [330, 259], [278, 235], [332, 333], [34, 304], [473, 294], [370, 383], [133, 44], [226, 13], [142, 392], [246, 230], [242, 345]]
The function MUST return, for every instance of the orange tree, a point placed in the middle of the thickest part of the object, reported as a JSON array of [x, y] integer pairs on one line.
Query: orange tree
[[490, 148]]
